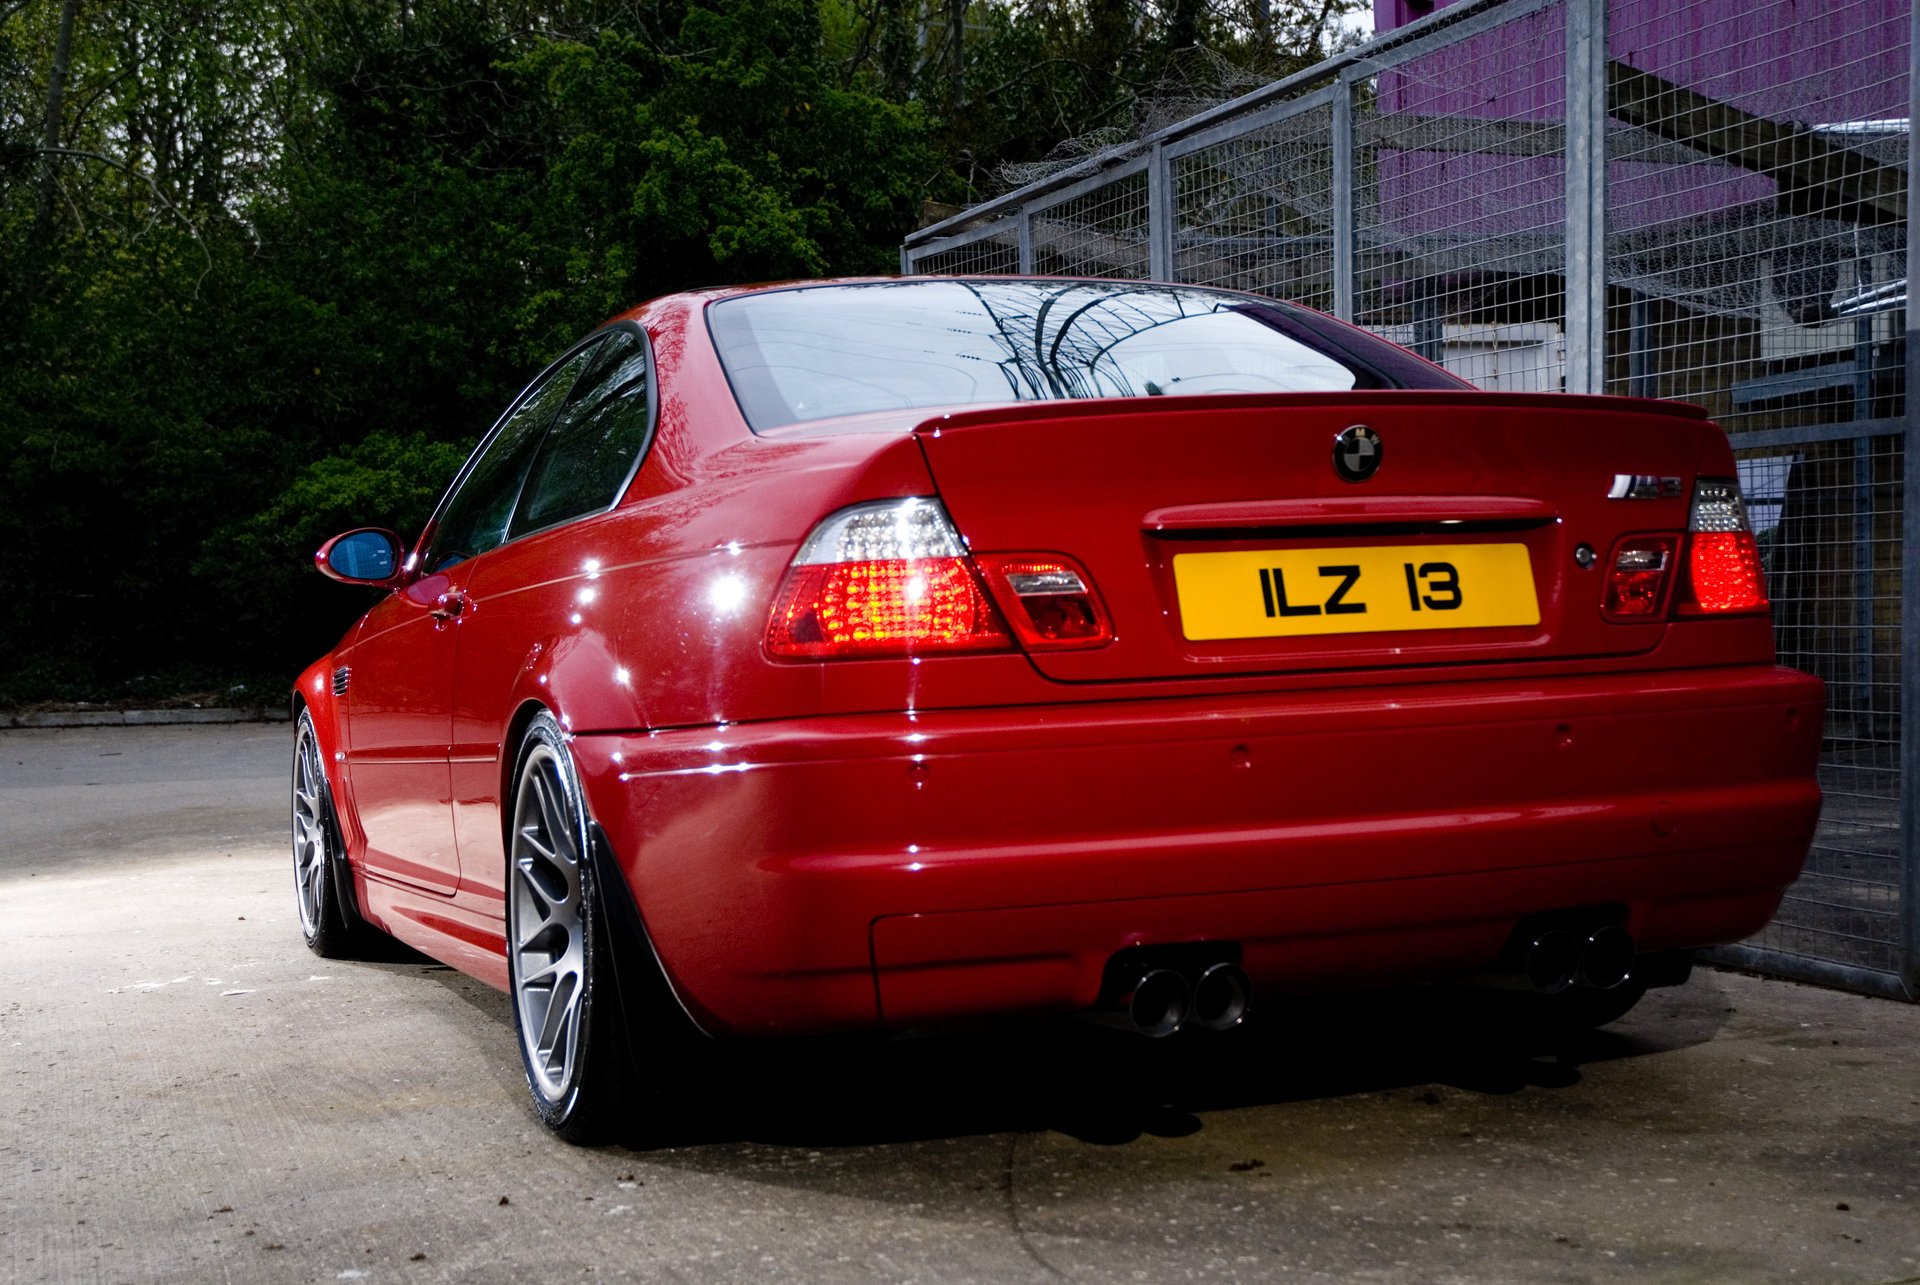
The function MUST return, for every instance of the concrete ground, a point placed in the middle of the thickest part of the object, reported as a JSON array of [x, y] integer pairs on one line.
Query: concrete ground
[[192, 1096]]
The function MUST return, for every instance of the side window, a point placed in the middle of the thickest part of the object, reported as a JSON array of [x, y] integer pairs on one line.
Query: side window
[[474, 518], [600, 432]]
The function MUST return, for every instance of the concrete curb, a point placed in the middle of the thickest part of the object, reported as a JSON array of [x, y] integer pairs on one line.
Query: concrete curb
[[140, 717]]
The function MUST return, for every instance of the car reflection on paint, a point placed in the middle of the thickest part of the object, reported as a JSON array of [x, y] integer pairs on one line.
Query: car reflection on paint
[[876, 655]]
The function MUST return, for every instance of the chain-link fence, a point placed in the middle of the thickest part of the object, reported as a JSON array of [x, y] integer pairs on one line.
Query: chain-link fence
[[1694, 199]]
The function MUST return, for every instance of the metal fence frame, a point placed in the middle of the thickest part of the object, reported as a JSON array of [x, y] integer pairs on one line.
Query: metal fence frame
[[1009, 232]]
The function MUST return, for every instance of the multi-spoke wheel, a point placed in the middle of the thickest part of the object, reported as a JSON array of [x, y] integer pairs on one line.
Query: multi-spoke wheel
[[332, 930], [566, 1011]]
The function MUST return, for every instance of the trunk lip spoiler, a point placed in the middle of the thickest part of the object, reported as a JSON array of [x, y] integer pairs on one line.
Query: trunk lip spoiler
[[1237, 514], [960, 419]]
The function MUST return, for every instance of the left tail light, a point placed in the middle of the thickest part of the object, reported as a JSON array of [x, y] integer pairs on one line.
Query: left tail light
[[1723, 572], [884, 579], [1049, 599]]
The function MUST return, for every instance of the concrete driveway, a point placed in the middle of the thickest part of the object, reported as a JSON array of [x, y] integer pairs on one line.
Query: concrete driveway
[[192, 1096]]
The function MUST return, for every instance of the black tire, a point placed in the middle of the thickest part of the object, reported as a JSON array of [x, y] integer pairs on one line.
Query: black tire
[[567, 1015], [333, 929]]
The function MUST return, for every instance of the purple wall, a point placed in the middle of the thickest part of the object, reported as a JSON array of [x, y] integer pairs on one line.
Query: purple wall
[[1389, 14], [1810, 61]]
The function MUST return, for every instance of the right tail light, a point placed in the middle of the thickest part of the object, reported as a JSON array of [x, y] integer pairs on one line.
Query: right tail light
[[1722, 571], [1717, 561], [1637, 578]]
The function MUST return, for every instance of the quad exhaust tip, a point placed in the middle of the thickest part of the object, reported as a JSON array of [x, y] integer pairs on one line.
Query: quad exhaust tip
[[1158, 1002], [1220, 998], [1557, 958], [1552, 961], [1606, 959]]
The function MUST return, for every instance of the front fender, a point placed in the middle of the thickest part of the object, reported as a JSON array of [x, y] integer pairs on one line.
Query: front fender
[[313, 692]]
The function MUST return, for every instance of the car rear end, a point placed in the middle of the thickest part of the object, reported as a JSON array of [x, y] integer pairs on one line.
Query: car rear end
[[1302, 690]]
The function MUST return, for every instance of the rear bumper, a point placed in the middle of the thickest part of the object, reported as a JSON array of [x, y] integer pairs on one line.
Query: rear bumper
[[896, 870]]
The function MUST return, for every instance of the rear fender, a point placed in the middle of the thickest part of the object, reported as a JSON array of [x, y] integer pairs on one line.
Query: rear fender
[[694, 579], [646, 988]]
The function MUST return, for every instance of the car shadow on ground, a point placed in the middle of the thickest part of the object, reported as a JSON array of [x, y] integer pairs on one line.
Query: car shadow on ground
[[1109, 1087], [1099, 1085]]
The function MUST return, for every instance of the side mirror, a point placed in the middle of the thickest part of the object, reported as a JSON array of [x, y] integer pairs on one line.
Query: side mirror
[[368, 556]]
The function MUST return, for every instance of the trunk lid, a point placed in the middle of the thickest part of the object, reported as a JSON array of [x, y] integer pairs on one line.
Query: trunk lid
[[1224, 541]]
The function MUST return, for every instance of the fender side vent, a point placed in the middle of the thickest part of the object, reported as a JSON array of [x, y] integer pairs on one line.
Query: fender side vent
[[340, 679]]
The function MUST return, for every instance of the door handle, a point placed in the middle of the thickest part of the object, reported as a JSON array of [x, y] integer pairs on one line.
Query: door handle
[[448, 606]]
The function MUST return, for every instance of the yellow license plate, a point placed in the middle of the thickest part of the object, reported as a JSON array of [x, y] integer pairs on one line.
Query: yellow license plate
[[1283, 593]]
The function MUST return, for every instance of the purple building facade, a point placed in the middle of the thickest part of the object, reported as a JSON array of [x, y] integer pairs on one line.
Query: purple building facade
[[1837, 67]]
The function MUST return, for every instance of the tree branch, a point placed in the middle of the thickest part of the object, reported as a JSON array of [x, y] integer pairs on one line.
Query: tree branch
[[50, 136], [158, 195]]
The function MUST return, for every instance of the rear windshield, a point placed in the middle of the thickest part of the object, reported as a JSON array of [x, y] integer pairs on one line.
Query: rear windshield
[[822, 351]]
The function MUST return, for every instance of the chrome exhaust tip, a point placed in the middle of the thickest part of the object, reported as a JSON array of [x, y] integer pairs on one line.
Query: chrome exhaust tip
[[1220, 997], [1158, 1003], [1551, 961], [1606, 959]]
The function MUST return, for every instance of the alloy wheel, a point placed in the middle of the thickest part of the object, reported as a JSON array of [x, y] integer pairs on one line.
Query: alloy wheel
[[548, 922], [310, 837]]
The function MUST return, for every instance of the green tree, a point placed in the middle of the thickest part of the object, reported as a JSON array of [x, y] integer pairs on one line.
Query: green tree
[[269, 267], [1010, 81], [303, 253]]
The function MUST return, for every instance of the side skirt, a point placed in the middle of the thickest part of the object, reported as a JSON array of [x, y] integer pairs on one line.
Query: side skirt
[[443, 927]]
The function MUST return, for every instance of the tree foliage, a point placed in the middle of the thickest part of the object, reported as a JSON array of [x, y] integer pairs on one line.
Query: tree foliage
[[269, 267]]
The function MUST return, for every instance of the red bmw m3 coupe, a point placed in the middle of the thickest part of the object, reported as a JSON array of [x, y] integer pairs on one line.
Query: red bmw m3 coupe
[[875, 655]]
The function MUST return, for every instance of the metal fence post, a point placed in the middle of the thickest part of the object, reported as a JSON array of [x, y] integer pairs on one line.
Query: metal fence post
[[1343, 229], [1160, 215], [1642, 377], [1586, 196], [1465, 85], [1429, 322], [1910, 565]]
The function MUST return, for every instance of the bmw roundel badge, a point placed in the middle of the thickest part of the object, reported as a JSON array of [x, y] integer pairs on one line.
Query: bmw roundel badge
[[1356, 453]]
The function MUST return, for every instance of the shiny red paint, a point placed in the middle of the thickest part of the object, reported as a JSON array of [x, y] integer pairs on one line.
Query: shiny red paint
[[1397, 831], [865, 844]]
